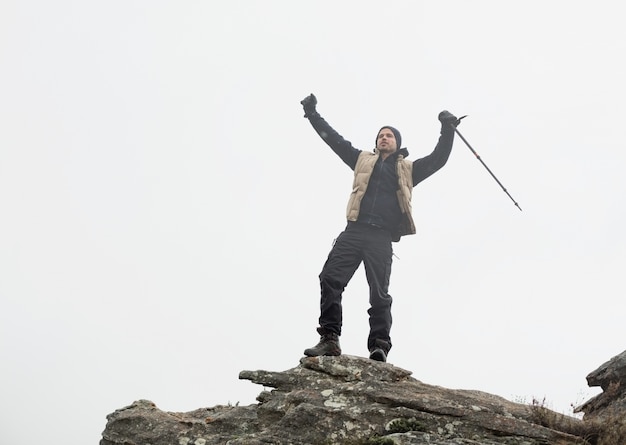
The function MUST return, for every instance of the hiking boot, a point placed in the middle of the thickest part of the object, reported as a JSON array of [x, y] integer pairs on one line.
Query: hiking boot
[[328, 345], [378, 354]]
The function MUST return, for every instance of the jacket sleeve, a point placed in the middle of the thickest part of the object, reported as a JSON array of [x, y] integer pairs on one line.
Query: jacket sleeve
[[339, 145], [426, 166]]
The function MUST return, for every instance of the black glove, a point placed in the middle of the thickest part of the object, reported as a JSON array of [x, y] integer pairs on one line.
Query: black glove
[[309, 103], [448, 119]]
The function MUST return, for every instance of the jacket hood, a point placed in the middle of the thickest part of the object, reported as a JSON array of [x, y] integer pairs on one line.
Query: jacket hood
[[403, 151]]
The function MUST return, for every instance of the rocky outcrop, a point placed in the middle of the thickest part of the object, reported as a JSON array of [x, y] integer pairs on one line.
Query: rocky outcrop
[[611, 402], [346, 400]]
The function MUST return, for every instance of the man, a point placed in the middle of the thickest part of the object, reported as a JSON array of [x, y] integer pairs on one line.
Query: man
[[379, 212]]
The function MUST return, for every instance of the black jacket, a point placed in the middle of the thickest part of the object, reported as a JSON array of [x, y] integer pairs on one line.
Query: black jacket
[[380, 203]]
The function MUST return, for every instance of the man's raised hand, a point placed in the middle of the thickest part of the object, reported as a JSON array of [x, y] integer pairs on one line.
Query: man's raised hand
[[309, 103], [446, 118]]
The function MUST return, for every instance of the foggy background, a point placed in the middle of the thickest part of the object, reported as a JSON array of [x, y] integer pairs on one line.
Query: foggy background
[[166, 209]]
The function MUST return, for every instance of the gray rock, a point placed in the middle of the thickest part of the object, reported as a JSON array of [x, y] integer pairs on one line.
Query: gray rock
[[346, 400], [611, 403]]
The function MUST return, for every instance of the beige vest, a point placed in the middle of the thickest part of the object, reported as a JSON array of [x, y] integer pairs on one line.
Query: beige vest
[[363, 172]]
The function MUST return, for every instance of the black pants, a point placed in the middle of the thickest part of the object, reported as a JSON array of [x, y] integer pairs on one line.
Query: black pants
[[372, 246]]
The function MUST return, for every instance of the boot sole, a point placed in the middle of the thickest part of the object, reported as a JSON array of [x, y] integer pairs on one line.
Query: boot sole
[[327, 354], [378, 355]]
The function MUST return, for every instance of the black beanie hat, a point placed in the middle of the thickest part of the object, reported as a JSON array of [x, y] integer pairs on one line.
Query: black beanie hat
[[395, 132]]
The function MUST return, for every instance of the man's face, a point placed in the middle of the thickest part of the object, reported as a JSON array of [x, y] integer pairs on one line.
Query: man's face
[[386, 141]]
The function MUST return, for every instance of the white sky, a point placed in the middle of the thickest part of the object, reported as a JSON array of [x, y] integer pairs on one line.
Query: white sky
[[166, 209]]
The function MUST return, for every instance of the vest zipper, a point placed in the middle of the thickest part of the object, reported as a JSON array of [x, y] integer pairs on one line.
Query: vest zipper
[[378, 183]]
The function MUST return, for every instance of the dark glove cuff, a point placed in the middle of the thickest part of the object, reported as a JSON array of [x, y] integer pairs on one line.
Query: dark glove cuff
[[446, 128], [311, 113]]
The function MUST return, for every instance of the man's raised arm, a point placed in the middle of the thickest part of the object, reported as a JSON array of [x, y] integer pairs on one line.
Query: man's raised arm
[[339, 145]]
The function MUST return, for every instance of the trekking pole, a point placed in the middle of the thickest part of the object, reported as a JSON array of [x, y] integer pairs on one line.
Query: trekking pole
[[481, 161]]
